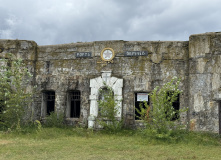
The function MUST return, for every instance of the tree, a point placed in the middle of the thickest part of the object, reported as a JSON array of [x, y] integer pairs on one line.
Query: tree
[[14, 97]]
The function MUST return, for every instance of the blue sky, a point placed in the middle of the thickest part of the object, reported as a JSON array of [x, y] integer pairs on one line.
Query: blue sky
[[67, 21]]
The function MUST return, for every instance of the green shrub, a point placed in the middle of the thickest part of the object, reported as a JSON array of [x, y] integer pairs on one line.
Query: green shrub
[[108, 109], [159, 119], [54, 120], [14, 98]]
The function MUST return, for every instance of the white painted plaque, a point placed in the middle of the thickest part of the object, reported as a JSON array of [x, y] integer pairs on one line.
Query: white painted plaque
[[142, 97]]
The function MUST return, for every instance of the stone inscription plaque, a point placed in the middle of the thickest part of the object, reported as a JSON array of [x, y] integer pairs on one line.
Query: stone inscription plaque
[[135, 53], [83, 54]]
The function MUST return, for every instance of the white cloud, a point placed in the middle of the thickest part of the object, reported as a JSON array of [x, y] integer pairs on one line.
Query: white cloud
[[10, 23], [6, 34], [66, 21]]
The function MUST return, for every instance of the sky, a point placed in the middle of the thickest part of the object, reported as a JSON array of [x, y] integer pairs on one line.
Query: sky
[[50, 22]]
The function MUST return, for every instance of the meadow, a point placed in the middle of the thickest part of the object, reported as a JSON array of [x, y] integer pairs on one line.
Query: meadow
[[83, 144]]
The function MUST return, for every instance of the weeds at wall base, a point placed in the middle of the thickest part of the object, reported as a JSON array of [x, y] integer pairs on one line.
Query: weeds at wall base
[[181, 137]]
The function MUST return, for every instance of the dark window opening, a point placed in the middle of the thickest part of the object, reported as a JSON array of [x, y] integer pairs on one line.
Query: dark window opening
[[1, 105], [50, 101], [176, 106], [219, 111], [75, 105], [47, 66], [1, 108], [139, 103]]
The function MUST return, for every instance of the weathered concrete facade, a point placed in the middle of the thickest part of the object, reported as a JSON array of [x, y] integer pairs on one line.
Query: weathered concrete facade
[[57, 68]]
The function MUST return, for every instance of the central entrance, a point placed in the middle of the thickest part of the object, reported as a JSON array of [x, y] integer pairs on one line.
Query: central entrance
[[116, 84]]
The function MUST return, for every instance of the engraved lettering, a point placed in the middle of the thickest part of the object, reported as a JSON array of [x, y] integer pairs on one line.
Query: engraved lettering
[[135, 53], [83, 54]]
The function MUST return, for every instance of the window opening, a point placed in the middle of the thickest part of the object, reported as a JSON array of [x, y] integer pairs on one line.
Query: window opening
[[140, 99], [49, 99], [1, 106], [1, 109], [176, 106], [75, 98], [219, 111], [47, 66]]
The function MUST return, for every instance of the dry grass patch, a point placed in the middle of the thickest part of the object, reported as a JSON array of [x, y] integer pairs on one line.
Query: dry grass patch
[[3, 142]]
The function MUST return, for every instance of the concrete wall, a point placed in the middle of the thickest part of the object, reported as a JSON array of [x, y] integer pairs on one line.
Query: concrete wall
[[58, 69], [196, 62], [26, 50], [204, 73]]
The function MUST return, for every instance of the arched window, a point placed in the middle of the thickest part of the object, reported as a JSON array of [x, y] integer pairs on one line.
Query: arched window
[[105, 98]]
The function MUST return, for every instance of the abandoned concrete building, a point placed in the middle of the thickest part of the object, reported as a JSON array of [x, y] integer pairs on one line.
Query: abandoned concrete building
[[68, 76]]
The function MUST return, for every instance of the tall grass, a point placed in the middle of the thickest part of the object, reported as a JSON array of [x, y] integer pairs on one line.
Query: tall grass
[[80, 143], [183, 137]]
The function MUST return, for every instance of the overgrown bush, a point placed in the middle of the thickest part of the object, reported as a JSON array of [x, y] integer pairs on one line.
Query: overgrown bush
[[54, 120], [14, 98], [158, 119], [108, 109]]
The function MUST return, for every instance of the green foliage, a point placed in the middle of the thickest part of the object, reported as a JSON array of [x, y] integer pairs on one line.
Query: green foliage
[[54, 120], [38, 125], [108, 109], [159, 119], [68, 143], [14, 98], [143, 111]]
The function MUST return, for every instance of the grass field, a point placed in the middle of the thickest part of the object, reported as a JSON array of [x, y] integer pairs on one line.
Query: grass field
[[80, 144]]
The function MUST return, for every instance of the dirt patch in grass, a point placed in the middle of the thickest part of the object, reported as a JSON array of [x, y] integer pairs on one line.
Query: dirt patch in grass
[[3, 142]]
